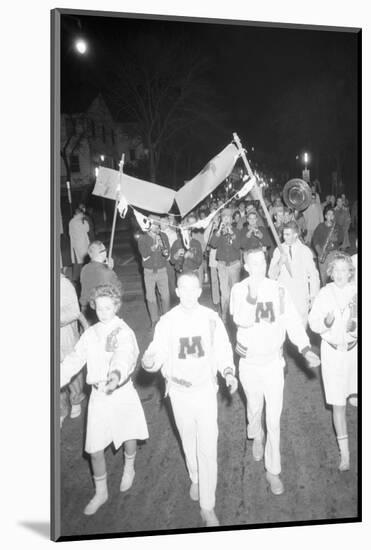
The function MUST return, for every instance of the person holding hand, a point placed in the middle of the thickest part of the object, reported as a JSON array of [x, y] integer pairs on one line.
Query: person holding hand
[[263, 311], [115, 414]]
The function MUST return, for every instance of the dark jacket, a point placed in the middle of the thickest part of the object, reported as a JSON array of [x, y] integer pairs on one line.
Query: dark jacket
[[153, 259], [190, 264], [254, 241], [227, 246], [94, 274]]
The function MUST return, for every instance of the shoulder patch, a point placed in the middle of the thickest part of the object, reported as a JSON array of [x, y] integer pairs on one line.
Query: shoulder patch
[[112, 339]]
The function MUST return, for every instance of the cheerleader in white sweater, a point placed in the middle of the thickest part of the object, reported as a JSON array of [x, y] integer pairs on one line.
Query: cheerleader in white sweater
[[263, 312], [115, 413], [334, 317], [190, 345]]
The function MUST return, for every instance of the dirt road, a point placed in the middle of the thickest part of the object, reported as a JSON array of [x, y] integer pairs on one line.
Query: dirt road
[[315, 489]]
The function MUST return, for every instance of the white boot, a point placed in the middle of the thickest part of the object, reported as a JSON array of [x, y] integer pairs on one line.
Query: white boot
[[100, 497], [129, 473], [344, 452], [209, 518], [258, 447], [194, 492], [353, 401], [275, 483]]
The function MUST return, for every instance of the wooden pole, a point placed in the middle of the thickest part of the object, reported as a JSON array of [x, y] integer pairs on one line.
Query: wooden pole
[[69, 196], [261, 200], [121, 166]]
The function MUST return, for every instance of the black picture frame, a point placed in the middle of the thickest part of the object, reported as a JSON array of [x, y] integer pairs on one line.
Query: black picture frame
[[56, 527]]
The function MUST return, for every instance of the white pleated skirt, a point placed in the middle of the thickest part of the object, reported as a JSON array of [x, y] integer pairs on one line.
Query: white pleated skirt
[[114, 418], [339, 373]]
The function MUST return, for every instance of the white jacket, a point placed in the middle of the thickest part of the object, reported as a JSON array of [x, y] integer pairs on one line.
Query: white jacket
[[191, 347], [343, 303], [105, 348], [262, 326]]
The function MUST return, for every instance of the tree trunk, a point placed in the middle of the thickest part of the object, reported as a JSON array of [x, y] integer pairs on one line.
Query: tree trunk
[[152, 164], [175, 162]]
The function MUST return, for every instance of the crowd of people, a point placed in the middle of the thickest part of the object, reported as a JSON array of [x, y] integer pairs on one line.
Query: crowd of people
[[305, 284]]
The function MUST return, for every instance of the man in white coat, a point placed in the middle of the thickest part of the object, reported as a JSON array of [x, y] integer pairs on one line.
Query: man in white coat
[[303, 283]]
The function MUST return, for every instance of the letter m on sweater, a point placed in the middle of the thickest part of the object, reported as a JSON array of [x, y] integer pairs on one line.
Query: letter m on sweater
[[264, 310], [187, 348]]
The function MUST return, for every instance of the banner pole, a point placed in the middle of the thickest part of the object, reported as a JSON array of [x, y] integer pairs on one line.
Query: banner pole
[[121, 166], [261, 200], [69, 196]]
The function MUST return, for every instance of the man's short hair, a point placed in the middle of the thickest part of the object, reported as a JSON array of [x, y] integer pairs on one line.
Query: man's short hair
[[292, 225], [250, 251], [189, 275], [93, 247], [328, 208]]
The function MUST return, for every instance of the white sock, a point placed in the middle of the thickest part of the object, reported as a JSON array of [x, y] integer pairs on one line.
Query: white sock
[[128, 473], [343, 443], [100, 497], [129, 461]]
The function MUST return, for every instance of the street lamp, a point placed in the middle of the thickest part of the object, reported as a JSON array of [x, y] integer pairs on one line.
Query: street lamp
[[306, 158], [81, 46]]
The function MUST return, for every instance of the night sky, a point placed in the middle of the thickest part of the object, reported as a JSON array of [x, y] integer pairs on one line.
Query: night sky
[[283, 90]]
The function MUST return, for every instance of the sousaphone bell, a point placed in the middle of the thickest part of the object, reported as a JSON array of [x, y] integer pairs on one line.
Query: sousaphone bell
[[297, 194]]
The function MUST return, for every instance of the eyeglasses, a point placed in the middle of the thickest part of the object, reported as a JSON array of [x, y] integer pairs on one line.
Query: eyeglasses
[[103, 250]]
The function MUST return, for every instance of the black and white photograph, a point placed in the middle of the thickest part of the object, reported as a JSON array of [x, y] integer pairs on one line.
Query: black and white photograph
[[206, 183]]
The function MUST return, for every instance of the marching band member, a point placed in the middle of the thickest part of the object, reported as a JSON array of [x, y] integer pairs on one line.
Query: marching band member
[[227, 242], [326, 239], [155, 249], [256, 236], [189, 259]]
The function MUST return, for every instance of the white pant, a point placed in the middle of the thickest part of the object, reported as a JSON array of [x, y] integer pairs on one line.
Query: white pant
[[259, 383], [195, 414]]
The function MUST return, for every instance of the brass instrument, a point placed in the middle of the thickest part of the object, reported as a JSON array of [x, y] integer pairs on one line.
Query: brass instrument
[[226, 230], [326, 246], [297, 194], [161, 245], [180, 263]]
